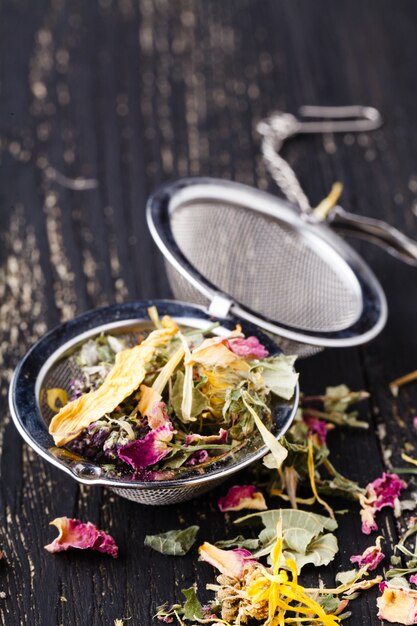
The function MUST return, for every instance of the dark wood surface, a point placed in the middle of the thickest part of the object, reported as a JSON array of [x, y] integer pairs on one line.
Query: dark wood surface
[[128, 94]]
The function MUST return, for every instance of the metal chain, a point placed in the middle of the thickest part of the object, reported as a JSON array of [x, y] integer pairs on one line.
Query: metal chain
[[275, 130]]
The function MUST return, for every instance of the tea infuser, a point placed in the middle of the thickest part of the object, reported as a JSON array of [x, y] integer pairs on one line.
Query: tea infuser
[[277, 263], [50, 363]]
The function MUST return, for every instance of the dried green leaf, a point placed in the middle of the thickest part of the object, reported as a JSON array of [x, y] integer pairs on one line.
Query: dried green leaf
[[346, 577], [278, 452], [339, 398], [199, 400], [320, 551], [238, 542], [173, 542], [279, 375], [329, 603], [192, 608], [303, 538]]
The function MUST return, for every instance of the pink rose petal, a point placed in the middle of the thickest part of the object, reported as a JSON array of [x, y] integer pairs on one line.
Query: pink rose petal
[[385, 490], [230, 562], [149, 450], [197, 458], [242, 497], [249, 347], [382, 492], [76, 534], [316, 427], [371, 557]]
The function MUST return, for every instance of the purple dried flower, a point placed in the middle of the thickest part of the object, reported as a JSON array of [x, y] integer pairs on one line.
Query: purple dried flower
[[149, 450], [371, 557], [197, 458]]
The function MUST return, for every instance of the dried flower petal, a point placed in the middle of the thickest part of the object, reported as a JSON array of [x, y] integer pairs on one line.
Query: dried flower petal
[[398, 604], [56, 398], [386, 490], [316, 427], [380, 493], [76, 534], [149, 450], [248, 348], [207, 439], [197, 458], [127, 374], [229, 562], [371, 557], [242, 497]]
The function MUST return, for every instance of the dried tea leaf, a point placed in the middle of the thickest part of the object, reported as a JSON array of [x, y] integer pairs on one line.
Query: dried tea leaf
[[320, 551], [279, 375], [173, 542], [238, 542], [347, 577], [192, 608], [303, 538], [199, 400]]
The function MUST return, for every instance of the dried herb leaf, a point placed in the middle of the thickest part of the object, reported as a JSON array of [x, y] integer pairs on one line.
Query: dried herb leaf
[[279, 375], [173, 542], [238, 542], [347, 577], [303, 538], [199, 400], [192, 608]]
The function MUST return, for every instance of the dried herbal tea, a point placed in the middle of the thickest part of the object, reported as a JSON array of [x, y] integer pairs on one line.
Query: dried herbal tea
[[175, 401]]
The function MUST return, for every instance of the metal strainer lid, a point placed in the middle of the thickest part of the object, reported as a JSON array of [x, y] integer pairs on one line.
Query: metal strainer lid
[[254, 255]]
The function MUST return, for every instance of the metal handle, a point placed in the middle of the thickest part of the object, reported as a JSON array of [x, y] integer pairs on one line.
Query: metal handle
[[377, 231], [279, 126]]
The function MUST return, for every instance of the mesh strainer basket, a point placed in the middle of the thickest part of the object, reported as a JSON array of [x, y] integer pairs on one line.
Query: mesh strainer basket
[[235, 249], [49, 364], [274, 263]]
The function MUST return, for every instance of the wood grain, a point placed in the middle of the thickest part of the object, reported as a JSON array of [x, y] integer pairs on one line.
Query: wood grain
[[99, 103]]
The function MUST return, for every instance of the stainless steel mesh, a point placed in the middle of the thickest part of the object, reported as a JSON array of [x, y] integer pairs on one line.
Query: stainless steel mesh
[[162, 497], [264, 263]]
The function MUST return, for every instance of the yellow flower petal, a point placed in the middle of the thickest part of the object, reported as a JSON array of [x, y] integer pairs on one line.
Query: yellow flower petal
[[123, 379]]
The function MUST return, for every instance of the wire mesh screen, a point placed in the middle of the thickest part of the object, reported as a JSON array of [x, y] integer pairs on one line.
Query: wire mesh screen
[[282, 272]]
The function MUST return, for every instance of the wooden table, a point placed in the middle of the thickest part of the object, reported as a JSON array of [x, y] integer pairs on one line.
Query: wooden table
[[100, 102]]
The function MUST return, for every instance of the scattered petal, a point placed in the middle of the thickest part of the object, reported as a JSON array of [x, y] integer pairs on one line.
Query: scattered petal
[[398, 605], [413, 579], [76, 534], [371, 557], [229, 562], [242, 497], [382, 492], [149, 450]]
